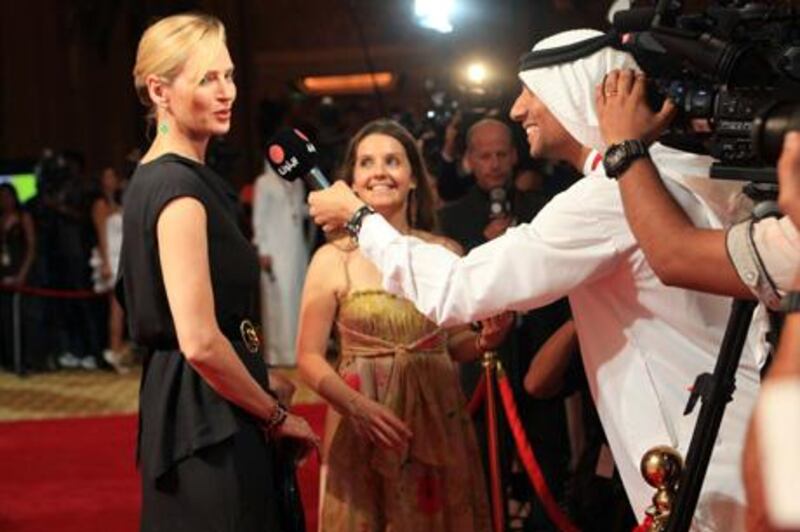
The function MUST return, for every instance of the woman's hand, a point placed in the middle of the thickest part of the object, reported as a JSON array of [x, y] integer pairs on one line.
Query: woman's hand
[[296, 428], [377, 424], [283, 387], [623, 112], [333, 207], [494, 330]]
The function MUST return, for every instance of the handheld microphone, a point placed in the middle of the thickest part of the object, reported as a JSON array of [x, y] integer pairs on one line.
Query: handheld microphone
[[499, 203], [292, 155]]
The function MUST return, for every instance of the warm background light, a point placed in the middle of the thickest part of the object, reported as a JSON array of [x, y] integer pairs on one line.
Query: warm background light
[[348, 83], [477, 73]]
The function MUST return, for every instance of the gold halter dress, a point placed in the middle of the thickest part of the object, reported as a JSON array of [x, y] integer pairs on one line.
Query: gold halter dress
[[393, 354]]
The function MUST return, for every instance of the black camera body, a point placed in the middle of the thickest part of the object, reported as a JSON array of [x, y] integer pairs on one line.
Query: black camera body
[[445, 101], [733, 72]]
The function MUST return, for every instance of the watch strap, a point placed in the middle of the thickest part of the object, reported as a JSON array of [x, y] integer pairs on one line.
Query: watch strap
[[633, 149], [353, 226], [791, 302]]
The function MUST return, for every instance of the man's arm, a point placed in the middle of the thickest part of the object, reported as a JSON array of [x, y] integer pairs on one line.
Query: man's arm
[[680, 253], [545, 376], [529, 266], [449, 183], [576, 238]]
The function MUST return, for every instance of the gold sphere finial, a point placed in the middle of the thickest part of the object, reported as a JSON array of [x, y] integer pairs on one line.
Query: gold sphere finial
[[661, 467]]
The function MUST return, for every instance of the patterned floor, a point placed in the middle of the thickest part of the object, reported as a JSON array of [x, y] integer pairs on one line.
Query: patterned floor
[[78, 393]]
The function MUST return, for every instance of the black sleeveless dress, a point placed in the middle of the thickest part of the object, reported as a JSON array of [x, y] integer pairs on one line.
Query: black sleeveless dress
[[204, 462]]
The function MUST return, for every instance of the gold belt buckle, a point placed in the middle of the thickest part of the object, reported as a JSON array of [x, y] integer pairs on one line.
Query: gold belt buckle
[[250, 336]]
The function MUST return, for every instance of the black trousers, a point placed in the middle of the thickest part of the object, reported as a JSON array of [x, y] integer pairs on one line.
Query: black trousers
[[226, 487]]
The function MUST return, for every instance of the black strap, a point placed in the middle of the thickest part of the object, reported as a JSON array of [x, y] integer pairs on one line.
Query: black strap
[[568, 53]]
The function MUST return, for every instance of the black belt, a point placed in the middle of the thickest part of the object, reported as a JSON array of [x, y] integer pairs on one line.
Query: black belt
[[237, 331], [246, 332]]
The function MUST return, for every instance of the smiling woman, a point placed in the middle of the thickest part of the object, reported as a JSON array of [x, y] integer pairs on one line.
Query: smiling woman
[[190, 279], [394, 392]]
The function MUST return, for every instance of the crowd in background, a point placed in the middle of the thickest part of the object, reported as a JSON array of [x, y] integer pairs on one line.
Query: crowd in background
[[59, 240]]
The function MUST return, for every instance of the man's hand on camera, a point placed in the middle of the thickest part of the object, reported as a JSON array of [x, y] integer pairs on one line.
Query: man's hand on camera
[[333, 207], [623, 111], [789, 177]]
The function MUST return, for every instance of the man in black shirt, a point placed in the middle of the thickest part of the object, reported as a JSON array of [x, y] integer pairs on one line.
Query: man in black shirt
[[492, 204]]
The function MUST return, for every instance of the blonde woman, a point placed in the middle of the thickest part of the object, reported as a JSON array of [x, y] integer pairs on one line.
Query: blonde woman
[[190, 282], [400, 449]]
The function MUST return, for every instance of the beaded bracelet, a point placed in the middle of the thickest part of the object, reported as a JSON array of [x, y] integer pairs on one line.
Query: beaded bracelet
[[276, 419]]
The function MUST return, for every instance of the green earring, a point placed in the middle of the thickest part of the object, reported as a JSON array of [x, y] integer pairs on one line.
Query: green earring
[[163, 128]]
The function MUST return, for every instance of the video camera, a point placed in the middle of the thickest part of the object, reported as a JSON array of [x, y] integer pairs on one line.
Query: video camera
[[734, 72]]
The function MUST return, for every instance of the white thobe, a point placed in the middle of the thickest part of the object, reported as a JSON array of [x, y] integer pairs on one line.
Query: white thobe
[[642, 343], [278, 213]]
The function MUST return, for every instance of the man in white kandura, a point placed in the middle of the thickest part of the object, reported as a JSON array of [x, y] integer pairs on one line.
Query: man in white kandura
[[278, 214], [643, 343]]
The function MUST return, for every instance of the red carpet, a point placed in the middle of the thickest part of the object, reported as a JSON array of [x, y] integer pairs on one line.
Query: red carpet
[[78, 475]]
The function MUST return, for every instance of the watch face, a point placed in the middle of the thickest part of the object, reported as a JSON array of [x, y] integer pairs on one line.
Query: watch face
[[615, 155]]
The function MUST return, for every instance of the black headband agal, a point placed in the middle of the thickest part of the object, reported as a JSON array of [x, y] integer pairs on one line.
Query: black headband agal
[[567, 53]]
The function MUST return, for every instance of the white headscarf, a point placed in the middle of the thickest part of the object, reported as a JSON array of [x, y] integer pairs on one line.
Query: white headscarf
[[568, 91]]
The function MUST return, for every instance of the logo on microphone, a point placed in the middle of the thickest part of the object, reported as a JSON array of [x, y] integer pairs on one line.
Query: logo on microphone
[[275, 154], [310, 148], [277, 157]]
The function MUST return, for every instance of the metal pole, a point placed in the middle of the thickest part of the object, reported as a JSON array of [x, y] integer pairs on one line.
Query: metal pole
[[16, 324]]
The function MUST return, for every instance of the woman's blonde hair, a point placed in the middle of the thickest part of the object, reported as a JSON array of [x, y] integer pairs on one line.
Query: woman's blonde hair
[[166, 46]]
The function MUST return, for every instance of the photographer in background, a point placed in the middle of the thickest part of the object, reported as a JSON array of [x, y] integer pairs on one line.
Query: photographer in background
[[751, 258], [453, 180]]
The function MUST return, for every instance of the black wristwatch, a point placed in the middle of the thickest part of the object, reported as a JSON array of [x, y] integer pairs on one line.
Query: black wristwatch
[[619, 157], [790, 302], [353, 226]]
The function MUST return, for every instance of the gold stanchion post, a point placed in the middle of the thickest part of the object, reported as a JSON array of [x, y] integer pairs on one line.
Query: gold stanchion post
[[490, 364], [661, 467]]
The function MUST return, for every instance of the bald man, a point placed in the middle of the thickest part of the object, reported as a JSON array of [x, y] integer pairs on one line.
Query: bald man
[[491, 157]]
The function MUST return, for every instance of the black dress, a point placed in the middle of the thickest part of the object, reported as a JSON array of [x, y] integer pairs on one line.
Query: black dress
[[205, 464]]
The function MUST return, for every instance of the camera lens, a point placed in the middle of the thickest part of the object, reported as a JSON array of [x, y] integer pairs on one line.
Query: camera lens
[[770, 127]]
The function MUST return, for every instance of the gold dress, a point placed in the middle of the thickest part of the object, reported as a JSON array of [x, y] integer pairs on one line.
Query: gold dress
[[393, 354]]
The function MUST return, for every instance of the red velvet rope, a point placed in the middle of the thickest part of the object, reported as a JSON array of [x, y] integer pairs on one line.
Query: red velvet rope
[[52, 292], [645, 525], [528, 458], [478, 397]]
